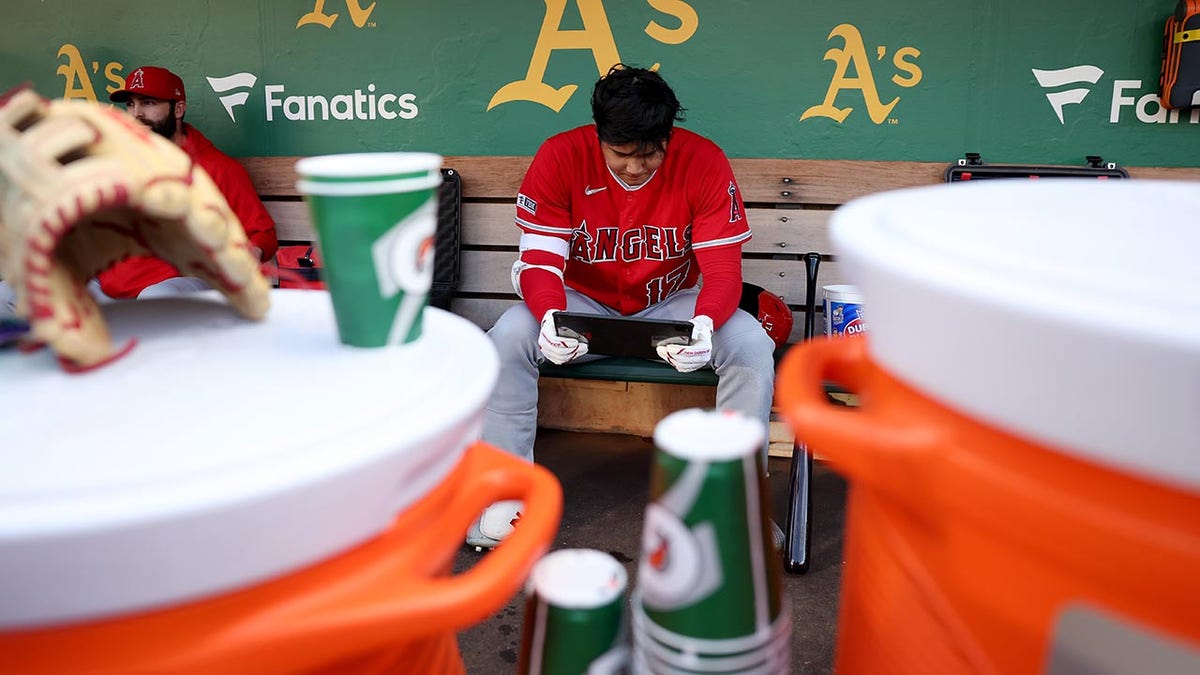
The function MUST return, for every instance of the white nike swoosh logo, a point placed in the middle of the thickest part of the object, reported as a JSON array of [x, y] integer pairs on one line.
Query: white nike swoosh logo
[[589, 190]]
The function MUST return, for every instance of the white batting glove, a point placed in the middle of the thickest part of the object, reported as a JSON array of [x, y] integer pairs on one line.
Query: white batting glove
[[557, 349], [686, 358]]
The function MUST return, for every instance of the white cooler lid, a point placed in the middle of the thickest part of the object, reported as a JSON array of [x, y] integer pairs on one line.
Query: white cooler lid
[[219, 452], [1066, 311]]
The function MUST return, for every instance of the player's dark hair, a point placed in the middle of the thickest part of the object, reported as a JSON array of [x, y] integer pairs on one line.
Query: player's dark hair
[[635, 105]]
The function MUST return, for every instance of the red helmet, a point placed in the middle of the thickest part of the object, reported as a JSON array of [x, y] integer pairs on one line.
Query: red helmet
[[770, 310]]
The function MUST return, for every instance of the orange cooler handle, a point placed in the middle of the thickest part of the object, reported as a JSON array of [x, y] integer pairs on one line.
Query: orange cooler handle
[[390, 599], [867, 443], [388, 592], [452, 602]]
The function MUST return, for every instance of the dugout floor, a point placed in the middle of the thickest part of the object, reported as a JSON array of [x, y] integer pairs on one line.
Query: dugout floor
[[605, 479]]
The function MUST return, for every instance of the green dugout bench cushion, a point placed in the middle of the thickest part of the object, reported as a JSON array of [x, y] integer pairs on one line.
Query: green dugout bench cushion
[[629, 369], [632, 369]]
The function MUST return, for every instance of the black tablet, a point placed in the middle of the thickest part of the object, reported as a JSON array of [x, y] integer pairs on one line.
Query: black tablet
[[622, 335]]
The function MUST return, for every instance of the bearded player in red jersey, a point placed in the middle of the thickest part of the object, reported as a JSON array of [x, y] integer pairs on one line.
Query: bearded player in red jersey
[[156, 97], [623, 217]]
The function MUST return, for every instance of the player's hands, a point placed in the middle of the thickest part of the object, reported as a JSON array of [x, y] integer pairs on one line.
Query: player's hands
[[686, 358], [558, 349]]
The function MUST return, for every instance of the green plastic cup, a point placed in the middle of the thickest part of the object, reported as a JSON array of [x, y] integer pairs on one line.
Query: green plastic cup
[[574, 615], [709, 579], [773, 656], [375, 215]]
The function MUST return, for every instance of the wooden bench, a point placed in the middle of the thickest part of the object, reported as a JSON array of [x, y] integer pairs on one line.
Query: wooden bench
[[788, 202]]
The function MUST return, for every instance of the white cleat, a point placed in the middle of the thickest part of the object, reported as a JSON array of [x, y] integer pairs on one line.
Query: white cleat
[[494, 525]]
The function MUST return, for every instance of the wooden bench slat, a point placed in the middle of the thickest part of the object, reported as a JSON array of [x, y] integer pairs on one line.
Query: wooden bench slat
[[292, 220], [775, 230], [272, 176], [791, 231], [811, 181], [486, 271], [808, 181], [787, 280], [482, 312], [816, 181], [496, 177], [761, 180], [490, 225], [1164, 172]]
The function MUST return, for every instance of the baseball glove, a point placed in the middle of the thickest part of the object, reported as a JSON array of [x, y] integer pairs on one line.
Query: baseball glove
[[83, 186]]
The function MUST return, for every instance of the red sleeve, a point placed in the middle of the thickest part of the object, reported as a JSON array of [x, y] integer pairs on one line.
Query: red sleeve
[[234, 182], [544, 215], [719, 228], [722, 289], [542, 291]]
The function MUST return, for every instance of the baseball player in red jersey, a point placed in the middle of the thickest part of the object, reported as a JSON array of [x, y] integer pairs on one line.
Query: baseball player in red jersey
[[624, 217], [156, 97]]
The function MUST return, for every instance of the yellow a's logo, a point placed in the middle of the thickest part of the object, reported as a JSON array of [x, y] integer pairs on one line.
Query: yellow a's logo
[[855, 53], [318, 16], [596, 37], [78, 80]]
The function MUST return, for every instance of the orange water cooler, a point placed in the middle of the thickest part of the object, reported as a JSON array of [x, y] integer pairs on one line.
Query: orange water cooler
[[1024, 461], [236, 497], [387, 606]]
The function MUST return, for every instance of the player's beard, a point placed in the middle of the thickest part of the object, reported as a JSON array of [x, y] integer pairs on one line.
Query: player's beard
[[165, 127]]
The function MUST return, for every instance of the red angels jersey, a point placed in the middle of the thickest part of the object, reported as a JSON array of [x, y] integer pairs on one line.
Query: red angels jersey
[[630, 247]]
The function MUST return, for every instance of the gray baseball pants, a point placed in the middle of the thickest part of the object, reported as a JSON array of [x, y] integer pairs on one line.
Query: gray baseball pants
[[742, 356]]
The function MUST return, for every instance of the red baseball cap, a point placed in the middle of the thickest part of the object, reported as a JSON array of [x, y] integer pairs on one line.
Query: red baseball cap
[[151, 81]]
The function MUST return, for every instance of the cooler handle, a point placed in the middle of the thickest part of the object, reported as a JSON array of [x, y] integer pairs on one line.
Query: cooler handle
[[475, 594], [862, 442], [368, 614]]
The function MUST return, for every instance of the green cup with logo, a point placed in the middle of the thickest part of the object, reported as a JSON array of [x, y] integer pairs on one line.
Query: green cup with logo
[[375, 215], [709, 579], [575, 615], [651, 656]]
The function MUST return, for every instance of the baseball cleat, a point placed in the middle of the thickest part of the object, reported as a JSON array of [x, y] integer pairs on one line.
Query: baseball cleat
[[494, 525]]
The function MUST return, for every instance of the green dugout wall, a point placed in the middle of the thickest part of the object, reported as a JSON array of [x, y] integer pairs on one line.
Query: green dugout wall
[[1024, 81]]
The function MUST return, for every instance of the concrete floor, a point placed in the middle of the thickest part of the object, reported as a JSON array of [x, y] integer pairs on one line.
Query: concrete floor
[[605, 479]]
